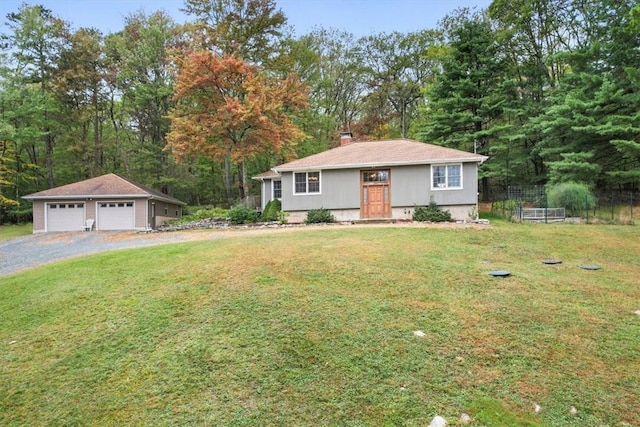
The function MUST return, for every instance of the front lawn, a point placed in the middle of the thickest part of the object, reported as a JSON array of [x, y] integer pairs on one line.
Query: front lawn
[[316, 327], [9, 231]]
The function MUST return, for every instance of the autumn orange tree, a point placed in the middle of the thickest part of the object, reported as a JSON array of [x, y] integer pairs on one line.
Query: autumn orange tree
[[229, 111]]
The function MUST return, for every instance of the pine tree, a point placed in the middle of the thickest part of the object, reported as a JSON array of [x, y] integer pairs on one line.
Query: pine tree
[[464, 104]]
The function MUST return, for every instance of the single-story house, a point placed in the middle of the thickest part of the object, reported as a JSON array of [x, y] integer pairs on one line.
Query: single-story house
[[107, 202], [376, 180]]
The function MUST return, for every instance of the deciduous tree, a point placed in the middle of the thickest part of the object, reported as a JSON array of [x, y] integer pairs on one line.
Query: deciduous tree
[[21, 112], [228, 110], [141, 67], [79, 87], [35, 42], [249, 29], [398, 66]]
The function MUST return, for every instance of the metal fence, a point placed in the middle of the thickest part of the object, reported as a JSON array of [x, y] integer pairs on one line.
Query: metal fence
[[530, 202], [616, 206]]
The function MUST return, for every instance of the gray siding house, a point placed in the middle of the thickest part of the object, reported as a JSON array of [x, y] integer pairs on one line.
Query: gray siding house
[[376, 180]]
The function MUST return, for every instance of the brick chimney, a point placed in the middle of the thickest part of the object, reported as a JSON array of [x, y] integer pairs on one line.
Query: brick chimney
[[346, 138]]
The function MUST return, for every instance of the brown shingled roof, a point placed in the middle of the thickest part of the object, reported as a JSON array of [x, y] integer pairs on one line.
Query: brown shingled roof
[[380, 153], [109, 185]]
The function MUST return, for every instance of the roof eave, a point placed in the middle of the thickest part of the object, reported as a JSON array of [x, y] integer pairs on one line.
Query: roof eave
[[262, 176], [105, 196], [167, 199], [86, 196], [481, 159]]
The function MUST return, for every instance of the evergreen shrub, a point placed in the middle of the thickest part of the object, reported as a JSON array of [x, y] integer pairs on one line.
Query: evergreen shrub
[[271, 211], [319, 216], [432, 213], [242, 215]]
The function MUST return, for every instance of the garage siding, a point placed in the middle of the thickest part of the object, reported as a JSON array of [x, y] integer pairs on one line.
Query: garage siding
[[141, 222], [38, 216], [164, 212]]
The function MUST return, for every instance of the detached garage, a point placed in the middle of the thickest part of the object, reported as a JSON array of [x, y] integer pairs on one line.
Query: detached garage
[[107, 202]]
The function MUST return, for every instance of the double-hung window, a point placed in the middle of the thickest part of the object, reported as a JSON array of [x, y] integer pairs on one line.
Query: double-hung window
[[446, 176], [277, 189], [306, 183]]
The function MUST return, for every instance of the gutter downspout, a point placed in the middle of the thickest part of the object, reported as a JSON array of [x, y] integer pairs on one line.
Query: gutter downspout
[[146, 215]]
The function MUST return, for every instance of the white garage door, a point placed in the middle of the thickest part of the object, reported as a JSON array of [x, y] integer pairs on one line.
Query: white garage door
[[115, 216], [65, 216]]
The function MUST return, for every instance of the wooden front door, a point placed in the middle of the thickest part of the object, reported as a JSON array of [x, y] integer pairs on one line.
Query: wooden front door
[[376, 194]]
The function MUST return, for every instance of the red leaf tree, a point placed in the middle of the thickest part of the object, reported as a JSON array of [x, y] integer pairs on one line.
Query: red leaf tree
[[228, 111]]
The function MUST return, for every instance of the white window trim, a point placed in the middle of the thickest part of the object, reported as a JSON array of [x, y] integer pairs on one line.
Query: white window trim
[[273, 189], [446, 186], [306, 193]]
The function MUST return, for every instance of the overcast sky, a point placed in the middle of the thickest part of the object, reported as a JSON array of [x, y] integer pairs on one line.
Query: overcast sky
[[360, 17]]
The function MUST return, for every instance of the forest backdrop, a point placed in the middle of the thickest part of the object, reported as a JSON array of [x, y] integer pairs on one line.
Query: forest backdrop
[[548, 89]]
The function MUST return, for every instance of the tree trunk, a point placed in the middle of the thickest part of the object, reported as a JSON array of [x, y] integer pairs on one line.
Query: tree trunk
[[228, 179], [485, 189], [48, 158], [242, 177], [96, 167]]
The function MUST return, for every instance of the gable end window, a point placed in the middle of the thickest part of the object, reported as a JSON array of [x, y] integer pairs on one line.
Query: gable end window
[[446, 177], [306, 183]]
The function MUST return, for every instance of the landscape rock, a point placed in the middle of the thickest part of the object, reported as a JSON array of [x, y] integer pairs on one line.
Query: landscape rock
[[464, 418], [419, 334], [201, 224], [573, 410], [438, 421], [219, 223]]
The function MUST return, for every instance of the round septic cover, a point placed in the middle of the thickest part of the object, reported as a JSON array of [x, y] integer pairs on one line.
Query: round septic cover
[[499, 273], [589, 267], [551, 261]]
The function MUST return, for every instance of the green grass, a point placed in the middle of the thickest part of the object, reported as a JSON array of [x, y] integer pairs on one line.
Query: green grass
[[10, 231], [315, 327]]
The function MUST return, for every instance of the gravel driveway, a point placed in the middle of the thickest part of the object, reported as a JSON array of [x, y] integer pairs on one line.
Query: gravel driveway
[[34, 250], [37, 249]]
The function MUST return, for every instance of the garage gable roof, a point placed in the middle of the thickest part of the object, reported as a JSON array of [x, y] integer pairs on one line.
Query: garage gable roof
[[108, 186], [380, 153]]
